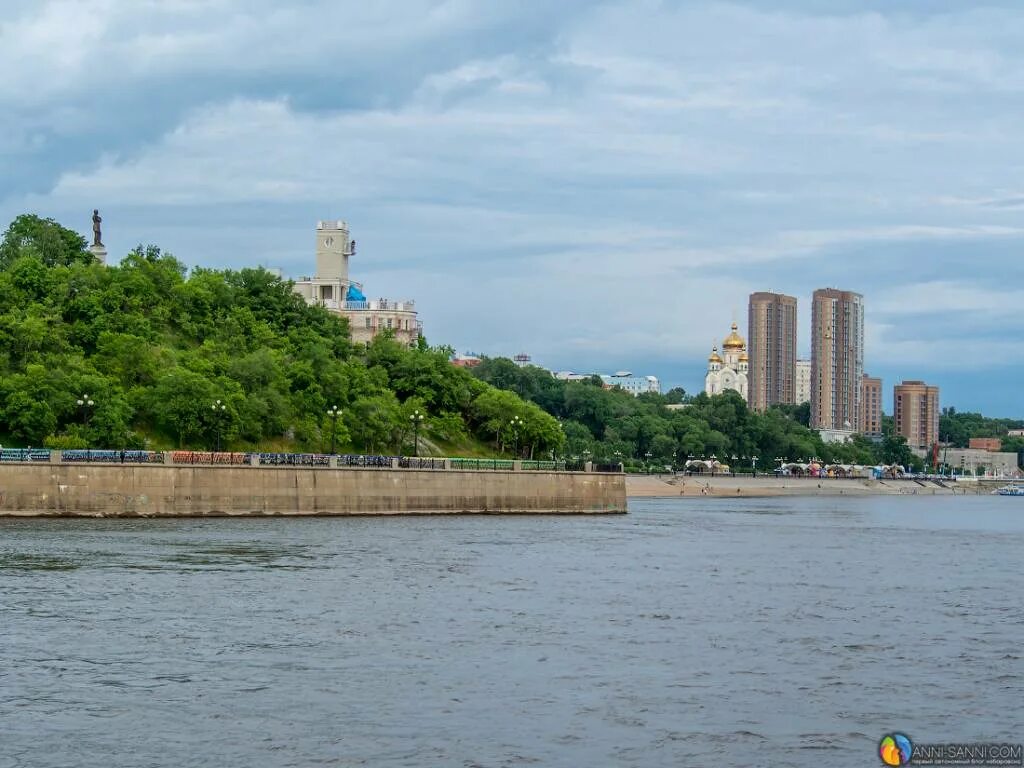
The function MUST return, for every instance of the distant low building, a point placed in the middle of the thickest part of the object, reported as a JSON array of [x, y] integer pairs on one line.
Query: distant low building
[[571, 376], [635, 385], [331, 288], [971, 461], [468, 360], [990, 444], [836, 435], [1015, 433], [803, 381]]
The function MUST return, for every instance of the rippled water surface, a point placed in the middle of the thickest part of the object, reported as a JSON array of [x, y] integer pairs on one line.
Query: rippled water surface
[[783, 632]]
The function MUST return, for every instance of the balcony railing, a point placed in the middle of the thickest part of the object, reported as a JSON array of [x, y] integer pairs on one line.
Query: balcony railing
[[381, 304]]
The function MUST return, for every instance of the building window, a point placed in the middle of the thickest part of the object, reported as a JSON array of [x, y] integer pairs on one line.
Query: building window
[[367, 322], [389, 323]]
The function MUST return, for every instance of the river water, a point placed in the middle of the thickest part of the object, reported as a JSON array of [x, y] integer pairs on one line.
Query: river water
[[777, 632]]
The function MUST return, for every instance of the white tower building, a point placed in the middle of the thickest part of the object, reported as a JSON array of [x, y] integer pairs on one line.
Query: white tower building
[[331, 288], [333, 248]]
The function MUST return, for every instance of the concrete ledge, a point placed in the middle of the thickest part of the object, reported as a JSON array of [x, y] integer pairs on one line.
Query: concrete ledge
[[144, 490]]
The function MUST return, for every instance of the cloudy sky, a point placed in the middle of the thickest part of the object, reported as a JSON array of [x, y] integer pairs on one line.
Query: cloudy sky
[[600, 184]]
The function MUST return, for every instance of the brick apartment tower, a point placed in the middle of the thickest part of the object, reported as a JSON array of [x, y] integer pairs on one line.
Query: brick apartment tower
[[916, 411], [870, 405], [771, 344], [837, 358]]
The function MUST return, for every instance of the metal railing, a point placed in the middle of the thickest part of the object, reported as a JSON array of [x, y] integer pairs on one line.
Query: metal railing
[[278, 459], [492, 464], [211, 457], [543, 466], [416, 462], [368, 462], [296, 459], [381, 305], [76, 455], [24, 454]]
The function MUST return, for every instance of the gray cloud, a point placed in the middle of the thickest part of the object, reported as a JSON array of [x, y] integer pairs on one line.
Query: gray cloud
[[590, 181]]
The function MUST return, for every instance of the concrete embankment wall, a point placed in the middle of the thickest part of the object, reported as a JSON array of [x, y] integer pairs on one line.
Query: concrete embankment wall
[[98, 490]]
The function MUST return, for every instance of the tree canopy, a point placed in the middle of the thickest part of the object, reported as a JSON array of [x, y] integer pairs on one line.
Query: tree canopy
[[958, 429], [611, 424], [153, 346]]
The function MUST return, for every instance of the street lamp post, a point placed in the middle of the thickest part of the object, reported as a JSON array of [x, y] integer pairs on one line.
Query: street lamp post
[[753, 462], [334, 412], [618, 458], [86, 405], [516, 424], [713, 460], [416, 418], [735, 458], [219, 409], [648, 457]]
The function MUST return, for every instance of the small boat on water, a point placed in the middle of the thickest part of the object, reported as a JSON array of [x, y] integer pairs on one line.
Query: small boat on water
[[1013, 489]]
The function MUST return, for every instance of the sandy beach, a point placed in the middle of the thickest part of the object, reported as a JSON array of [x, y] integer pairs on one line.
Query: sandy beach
[[639, 486]]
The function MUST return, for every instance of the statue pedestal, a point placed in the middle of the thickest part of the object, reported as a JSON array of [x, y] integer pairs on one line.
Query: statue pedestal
[[100, 252]]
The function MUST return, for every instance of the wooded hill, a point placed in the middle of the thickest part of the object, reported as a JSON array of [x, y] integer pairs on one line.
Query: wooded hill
[[154, 347]]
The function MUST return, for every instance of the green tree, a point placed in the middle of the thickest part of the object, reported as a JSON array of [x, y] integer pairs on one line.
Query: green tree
[[375, 422], [43, 239], [180, 404], [676, 396], [894, 450]]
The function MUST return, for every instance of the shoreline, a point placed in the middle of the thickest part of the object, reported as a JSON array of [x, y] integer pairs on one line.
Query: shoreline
[[676, 486]]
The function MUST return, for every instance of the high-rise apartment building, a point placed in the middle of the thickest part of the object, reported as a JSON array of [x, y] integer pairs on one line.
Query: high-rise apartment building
[[837, 358], [771, 331], [870, 405], [916, 412], [803, 381]]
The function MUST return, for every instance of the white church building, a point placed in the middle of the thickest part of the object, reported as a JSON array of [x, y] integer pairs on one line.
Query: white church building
[[729, 369]]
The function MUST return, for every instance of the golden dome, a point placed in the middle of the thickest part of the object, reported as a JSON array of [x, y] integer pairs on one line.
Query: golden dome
[[743, 357], [713, 357], [734, 340]]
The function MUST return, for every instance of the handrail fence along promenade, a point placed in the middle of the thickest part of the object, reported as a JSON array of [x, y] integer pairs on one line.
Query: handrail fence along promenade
[[312, 460]]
